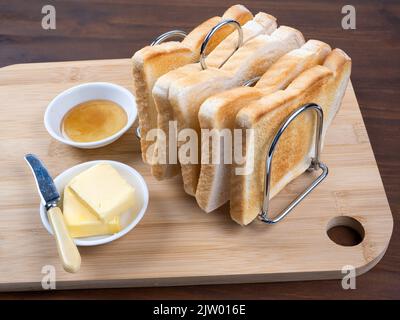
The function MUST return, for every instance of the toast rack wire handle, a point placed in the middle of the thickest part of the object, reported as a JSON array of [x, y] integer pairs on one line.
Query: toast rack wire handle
[[315, 164], [210, 34], [168, 35], [161, 38], [251, 82], [137, 133]]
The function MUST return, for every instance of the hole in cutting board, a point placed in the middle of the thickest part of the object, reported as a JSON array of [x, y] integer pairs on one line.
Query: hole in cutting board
[[345, 231]]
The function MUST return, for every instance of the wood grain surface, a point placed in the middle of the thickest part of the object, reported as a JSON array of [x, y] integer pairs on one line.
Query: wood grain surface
[[105, 29], [176, 243]]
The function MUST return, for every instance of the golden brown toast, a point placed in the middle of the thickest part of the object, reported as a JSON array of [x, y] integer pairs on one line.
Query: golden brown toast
[[218, 113], [151, 62], [164, 164], [188, 93], [324, 85]]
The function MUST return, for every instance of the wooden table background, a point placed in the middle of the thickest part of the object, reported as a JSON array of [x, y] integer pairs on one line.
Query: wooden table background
[[98, 29]]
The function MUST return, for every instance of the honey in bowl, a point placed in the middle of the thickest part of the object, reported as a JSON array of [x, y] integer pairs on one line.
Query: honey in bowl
[[93, 120]]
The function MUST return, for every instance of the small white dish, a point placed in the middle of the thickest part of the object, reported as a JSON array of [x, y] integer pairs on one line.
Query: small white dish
[[129, 219], [66, 100]]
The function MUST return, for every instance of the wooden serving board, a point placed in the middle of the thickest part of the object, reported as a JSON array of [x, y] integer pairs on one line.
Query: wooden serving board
[[176, 243]]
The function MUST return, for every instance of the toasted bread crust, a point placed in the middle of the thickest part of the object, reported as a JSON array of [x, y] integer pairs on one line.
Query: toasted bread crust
[[148, 64]]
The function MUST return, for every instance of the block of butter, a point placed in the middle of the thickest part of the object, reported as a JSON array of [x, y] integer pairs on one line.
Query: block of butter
[[104, 191], [81, 221]]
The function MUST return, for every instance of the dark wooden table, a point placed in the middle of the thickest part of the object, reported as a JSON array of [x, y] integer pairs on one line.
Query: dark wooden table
[[97, 29]]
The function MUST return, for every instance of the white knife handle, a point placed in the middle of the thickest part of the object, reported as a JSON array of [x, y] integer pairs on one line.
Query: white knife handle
[[66, 247]]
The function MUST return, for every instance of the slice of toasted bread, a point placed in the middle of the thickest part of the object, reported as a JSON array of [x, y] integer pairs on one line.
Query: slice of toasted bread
[[164, 163], [195, 38], [187, 94], [151, 62], [324, 85], [218, 113]]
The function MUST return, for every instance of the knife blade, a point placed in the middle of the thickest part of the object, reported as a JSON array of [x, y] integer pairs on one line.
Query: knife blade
[[50, 197], [44, 182]]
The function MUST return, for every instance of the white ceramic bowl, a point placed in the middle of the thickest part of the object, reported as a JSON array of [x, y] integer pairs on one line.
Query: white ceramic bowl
[[129, 219], [68, 99]]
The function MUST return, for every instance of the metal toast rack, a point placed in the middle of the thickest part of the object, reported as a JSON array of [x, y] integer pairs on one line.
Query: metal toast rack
[[169, 35], [316, 164], [210, 35]]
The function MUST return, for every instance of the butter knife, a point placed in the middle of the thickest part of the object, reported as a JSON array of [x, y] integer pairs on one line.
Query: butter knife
[[66, 247]]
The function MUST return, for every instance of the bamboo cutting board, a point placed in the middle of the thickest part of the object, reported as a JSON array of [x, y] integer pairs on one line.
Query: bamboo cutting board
[[176, 243]]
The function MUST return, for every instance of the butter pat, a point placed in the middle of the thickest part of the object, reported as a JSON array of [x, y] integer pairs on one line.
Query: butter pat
[[104, 191], [81, 222]]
